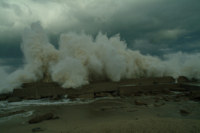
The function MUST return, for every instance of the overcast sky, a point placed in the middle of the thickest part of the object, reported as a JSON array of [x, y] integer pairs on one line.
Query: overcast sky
[[154, 27]]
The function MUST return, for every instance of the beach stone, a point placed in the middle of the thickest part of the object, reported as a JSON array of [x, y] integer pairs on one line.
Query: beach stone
[[40, 118], [137, 102], [37, 129], [184, 112]]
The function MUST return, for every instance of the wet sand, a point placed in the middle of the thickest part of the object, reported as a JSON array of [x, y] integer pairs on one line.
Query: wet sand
[[139, 114]]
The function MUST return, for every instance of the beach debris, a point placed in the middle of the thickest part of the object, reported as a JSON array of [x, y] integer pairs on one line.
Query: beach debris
[[37, 129], [158, 104], [137, 102], [184, 112], [40, 118]]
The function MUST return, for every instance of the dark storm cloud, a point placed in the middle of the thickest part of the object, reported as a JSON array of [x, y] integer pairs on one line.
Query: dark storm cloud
[[158, 25], [151, 26]]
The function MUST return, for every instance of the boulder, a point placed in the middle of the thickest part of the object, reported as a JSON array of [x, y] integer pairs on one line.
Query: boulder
[[40, 118], [184, 112]]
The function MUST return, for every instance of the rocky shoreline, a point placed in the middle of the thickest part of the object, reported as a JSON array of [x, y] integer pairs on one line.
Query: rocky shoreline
[[125, 88], [138, 105]]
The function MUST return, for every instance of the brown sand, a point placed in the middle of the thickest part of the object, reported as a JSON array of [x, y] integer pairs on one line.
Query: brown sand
[[113, 116]]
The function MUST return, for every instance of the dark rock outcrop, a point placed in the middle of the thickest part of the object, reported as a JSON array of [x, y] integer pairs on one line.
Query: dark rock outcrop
[[4, 96], [38, 90], [14, 99], [182, 79], [148, 81], [129, 87]]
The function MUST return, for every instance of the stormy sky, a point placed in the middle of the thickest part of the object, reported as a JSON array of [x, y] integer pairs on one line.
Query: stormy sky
[[155, 27]]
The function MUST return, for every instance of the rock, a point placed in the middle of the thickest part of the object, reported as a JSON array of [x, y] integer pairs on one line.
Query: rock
[[57, 97], [40, 118], [14, 99], [128, 90], [166, 98], [4, 96], [157, 99], [37, 129], [105, 108], [103, 94], [184, 112], [182, 79], [194, 95], [140, 103], [86, 96], [178, 89], [37, 90], [84, 92], [158, 104], [165, 80], [181, 96], [176, 99], [148, 81], [104, 87]]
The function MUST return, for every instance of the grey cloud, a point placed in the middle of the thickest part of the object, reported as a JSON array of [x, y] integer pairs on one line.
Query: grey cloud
[[151, 26]]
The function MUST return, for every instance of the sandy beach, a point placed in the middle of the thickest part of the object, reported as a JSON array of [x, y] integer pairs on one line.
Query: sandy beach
[[141, 114]]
